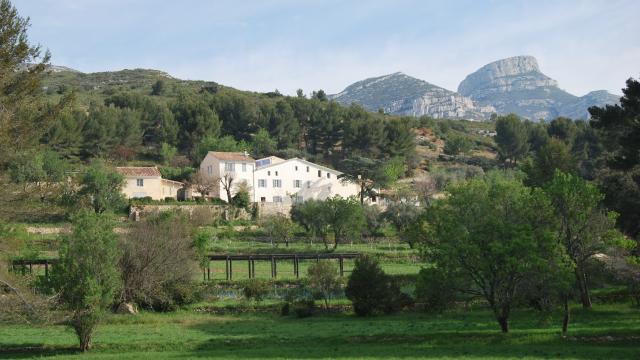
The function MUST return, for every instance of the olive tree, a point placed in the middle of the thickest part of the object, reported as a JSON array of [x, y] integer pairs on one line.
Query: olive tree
[[86, 276]]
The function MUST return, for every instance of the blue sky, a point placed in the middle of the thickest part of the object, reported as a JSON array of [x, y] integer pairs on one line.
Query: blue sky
[[328, 44]]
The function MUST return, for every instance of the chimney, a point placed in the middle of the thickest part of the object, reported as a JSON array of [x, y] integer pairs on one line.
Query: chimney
[[246, 154]]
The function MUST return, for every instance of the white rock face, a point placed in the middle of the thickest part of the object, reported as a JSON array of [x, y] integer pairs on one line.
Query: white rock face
[[401, 94], [516, 85]]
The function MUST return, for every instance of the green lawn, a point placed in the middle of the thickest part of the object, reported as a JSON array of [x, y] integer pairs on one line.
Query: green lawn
[[607, 332]]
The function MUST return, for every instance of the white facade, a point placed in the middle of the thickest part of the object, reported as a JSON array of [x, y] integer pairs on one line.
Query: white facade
[[221, 166], [297, 180], [275, 180]]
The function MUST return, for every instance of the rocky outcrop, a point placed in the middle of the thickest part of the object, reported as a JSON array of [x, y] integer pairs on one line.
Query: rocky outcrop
[[400, 94], [516, 85]]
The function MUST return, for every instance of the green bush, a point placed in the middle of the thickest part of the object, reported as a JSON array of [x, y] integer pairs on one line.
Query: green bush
[[371, 290], [256, 289], [434, 290]]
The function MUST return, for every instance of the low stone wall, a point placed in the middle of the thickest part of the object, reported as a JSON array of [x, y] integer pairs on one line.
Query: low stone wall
[[215, 211], [267, 209]]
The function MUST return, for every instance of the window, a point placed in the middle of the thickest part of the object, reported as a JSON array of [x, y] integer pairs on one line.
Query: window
[[268, 173], [297, 199], [308, 184], [262, 183], [277, 183], [210, 169], [277, 199], [276, 173], [244, 167], [328, 175], [229, 166], [140, 182], [307, 169], [297, 183], [319, 173], [263, 199], [296, 168]]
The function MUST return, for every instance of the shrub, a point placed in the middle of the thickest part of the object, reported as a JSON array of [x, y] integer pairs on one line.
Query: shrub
[[157, 262], [323, 280], [256, 289], [370, 289], [434, 290]]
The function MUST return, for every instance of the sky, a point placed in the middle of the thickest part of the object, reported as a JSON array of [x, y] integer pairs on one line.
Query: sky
[[264, 45]]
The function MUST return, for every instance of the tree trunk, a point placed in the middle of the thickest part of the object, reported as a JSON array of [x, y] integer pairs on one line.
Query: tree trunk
[[504, 323], [581, 278], [565, 320]]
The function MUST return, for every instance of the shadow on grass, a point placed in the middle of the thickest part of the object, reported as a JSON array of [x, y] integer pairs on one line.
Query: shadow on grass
[[25, 351], [395, 337]]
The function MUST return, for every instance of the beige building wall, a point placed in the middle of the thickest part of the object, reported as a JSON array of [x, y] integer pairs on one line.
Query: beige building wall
[[143, 186]]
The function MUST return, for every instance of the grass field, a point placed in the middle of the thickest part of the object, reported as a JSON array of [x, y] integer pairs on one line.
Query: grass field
[[606, 332]]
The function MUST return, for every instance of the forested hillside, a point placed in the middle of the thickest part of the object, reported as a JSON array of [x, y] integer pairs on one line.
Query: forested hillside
[[146, 115]]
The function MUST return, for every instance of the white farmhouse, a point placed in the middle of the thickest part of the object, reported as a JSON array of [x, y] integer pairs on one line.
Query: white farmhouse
[[148, 182], [224, 166], [275, 180], [296, 180]]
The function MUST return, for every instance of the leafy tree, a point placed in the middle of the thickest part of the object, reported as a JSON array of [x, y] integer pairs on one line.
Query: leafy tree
[[279, 229], [369, 174], [323, 280], [25, 114], [400, 140], [586, 228], [436, 289], [456, 145], [283, 126], [619, 128], [552, 156], [311, 215], [167, 153], [364, 134], [537, 135], [493, 232], [196, 120], [65, 135], [101, 189], [263, 144], [511, 138], [402, 215], [344, 218], [562, 129], [86, 275]]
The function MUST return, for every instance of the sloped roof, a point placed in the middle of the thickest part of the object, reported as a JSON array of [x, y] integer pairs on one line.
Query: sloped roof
[[150, 171], [231, 156], [321, 167]]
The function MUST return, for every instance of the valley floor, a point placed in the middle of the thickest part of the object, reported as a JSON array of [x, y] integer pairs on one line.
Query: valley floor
[[606, 332]]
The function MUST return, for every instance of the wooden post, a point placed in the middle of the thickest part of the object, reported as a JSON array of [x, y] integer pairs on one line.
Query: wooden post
[[226, 268], [296, 269], [253, 268], [341, 261], [249, 266], [46, 269], [273, 269], [230, 269], [209, 270]]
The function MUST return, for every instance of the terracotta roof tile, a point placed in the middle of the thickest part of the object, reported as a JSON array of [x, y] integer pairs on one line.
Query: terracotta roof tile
[[139, 171], [232, 156]]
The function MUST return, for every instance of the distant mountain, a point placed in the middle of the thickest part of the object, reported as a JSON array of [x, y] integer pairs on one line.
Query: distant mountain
[[512, 85], [52, 68], [401, 94], [516, 85]]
